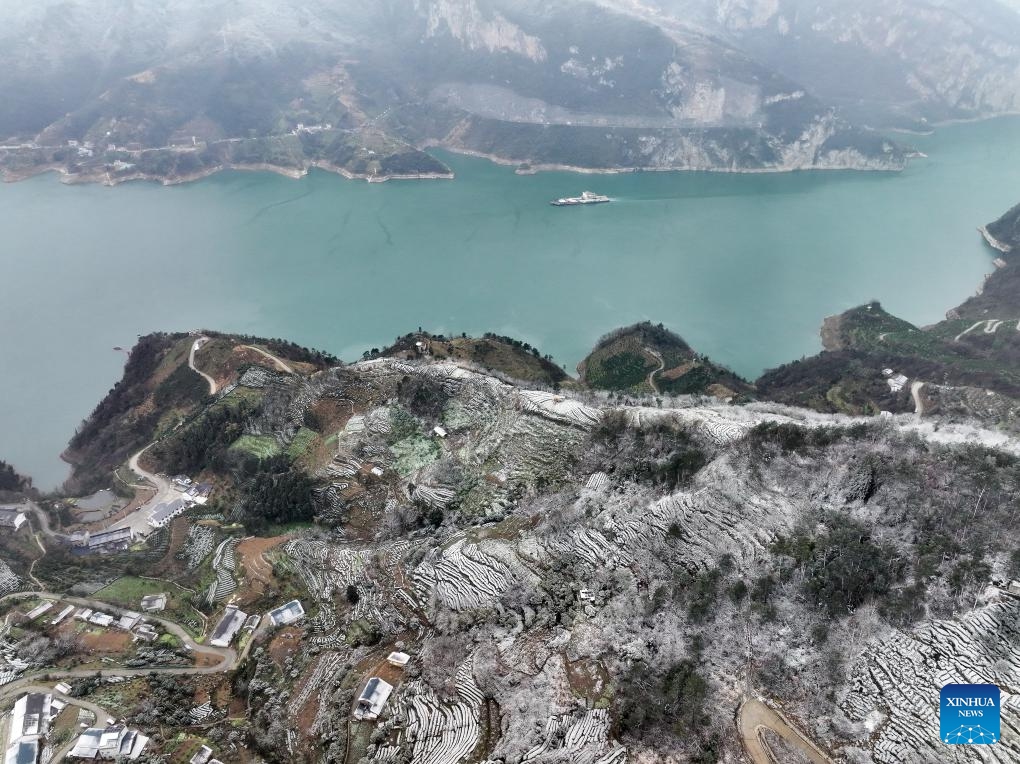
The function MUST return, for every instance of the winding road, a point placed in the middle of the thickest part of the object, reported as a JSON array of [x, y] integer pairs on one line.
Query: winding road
[[280, 364], [229, 659], [195, 347], [651, 375], [138, 520], [754, 718]]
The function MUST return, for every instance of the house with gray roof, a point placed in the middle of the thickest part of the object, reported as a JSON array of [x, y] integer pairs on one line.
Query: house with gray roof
[[231, 623]]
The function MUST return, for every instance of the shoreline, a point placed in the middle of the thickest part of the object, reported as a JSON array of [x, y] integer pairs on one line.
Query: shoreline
[[520, 168], [993, 242], [528, 168], [294, 173]]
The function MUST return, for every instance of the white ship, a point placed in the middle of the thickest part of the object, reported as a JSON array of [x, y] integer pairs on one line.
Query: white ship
[[586, 197]]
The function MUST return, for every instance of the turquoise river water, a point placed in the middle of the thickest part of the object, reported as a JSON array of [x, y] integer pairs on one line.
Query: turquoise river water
[[744, 267]]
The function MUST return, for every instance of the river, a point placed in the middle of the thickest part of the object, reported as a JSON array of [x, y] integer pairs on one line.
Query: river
[[744, 267]]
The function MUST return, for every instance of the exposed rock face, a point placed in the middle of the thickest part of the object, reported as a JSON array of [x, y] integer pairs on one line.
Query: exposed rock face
[[479, 31], [718, 84]]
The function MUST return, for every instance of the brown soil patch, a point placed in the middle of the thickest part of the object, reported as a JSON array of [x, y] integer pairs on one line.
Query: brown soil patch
[[286, 642], [257, 570], [105, 642], [677, 371], [588, 679], [204, 659], [331, 414], [178, 536], [719, 391]]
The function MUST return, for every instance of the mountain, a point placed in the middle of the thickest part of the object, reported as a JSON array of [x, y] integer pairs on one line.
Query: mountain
[[902, 63], [647, 358], [569, 576], [175, 89], [1004, 233]]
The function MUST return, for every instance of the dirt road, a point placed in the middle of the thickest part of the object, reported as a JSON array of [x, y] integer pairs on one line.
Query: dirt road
[[191, 363], [662, 365], [280, 364]]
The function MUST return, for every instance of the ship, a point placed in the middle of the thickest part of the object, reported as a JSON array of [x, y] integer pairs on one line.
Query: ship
[[586, 197]]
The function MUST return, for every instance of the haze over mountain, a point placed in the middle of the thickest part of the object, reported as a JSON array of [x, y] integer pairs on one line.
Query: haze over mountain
[[708, 84]]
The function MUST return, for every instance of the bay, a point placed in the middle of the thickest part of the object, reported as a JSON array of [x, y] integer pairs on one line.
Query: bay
[[744, 267]]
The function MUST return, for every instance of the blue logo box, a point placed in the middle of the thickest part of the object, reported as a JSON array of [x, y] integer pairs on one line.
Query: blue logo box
[[969, 714]]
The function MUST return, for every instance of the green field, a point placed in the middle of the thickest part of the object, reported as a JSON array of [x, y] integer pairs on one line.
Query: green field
[[262, 446], [303, 440]]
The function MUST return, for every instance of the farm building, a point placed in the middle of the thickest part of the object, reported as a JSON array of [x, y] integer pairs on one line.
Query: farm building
[[29, 722], [31, 715], [101, 619], [62, 615], [373, 698], [167, 511], [35, 612], [22, 752], [129, 620], [288, 613], [440, 431], [398, 659], [199, 492], [225, 631], [11, 518], [114, 742], [152, 603], [115, 540]]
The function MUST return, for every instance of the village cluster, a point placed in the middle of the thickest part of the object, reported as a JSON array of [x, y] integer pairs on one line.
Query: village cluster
[[31, 721]]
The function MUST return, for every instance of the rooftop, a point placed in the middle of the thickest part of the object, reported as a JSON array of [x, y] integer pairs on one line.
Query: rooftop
[[373, 698], [286, 613], [22, 752], [228, 627], [11, 518]]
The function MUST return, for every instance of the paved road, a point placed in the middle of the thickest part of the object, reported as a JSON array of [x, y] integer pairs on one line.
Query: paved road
[[754, 717], [191, 362], [139, 519], [228, 657], [915, 392], [43, 518], [229, 660]]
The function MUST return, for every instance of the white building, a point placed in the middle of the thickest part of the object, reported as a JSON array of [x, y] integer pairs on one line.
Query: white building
[[11, 518], [62, 615], [29, 723], [398, 659], [896, 382], [38, 611], [287, 613], [154, 602], [372, 699], [114, 742], [167, 511]]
